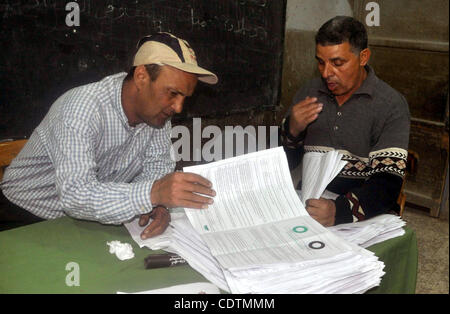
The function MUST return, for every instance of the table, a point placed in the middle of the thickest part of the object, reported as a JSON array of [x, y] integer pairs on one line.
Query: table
[[33, 259]]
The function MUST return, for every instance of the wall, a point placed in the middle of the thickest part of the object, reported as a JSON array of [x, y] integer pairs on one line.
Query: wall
[[303, 19], [413, 40]]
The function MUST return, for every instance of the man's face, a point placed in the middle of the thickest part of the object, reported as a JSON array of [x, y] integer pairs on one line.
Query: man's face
[[341, 69], [159, 100]]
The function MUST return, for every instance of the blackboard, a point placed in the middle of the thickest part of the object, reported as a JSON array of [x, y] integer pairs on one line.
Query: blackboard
[[41, 56]]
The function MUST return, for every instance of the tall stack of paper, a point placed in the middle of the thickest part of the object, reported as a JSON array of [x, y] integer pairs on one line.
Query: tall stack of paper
[[258, 238]]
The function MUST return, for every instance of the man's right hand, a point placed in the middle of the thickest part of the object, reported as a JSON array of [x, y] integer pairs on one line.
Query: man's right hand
[[302, 114], [180, 189]]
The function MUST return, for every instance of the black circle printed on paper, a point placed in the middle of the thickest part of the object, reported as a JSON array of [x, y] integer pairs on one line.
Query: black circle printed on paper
[[316, 245]]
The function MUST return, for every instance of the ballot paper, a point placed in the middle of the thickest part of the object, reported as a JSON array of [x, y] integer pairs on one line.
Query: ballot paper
[[190, 245], [371, 231], [318, 170], [367, 232], [355, 272], [257, 217], [258, 231]]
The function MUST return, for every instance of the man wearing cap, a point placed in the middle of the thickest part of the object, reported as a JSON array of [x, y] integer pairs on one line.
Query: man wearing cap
[[103, 152], [351, 110]]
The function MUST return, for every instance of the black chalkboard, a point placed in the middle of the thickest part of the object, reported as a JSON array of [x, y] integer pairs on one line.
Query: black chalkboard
[[41, 56]]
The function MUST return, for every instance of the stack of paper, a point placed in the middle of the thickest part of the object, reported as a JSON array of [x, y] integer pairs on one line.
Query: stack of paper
[[318, 170], [258, 238], [369, 232], [343, 273], [189, 244]]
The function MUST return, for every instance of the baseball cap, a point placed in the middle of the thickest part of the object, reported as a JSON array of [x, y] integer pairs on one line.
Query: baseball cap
[[167, 49]]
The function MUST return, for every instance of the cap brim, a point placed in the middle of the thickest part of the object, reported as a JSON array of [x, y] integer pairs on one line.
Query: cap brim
[[203, 75]]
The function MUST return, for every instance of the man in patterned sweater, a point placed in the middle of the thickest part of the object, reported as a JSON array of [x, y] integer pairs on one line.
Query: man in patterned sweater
[[351, 110], [103, 151]]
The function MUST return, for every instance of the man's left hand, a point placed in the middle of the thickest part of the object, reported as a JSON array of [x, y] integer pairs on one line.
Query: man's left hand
[[161, 219], [323, 210]]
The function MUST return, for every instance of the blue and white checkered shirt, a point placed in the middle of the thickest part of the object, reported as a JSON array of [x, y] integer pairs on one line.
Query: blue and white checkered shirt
[[85, 161]]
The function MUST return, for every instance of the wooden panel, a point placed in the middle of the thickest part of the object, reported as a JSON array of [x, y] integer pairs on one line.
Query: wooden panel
[[8, 151]]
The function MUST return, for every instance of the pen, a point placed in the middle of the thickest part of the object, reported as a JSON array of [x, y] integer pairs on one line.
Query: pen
[[163, 260]]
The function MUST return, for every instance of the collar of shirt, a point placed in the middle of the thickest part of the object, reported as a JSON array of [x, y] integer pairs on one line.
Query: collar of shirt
[[367, 87], [118, 107]]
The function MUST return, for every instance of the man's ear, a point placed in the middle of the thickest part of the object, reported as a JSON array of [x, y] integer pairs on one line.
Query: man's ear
[[140, 76], [364, 57]]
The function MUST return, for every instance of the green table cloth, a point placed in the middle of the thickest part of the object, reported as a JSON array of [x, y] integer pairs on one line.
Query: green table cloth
[[37, 259]]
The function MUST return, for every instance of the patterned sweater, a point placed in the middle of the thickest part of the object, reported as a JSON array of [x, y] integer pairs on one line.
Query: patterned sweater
[[371, 130]]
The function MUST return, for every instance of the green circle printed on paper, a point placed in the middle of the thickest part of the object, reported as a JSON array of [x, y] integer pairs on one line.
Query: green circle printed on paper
[[299, 229]]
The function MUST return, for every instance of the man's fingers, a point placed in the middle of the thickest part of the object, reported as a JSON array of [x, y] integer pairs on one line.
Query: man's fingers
[[196, 179], [312, 203], [161, 219], [312, 211], [307, 110], [192, 200], [303, 113], [143, 220], [200, 189], [155, 228], [308, 102], [175, 189]]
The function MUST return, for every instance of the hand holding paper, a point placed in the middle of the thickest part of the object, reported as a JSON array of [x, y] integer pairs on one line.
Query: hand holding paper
[[181, 189], [318, 171], [323, 210]]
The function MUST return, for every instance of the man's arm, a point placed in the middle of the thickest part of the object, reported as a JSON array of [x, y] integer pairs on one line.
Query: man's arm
[[169, 189], [376, 196], [81, 194], [294, 126], [386, 171], [158, 159]]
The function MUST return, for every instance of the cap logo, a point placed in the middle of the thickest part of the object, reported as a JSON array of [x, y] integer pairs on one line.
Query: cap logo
[[167, 39], [192, 54]]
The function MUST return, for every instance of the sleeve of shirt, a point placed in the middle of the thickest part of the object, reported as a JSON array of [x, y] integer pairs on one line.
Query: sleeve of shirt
[[80, 193], [159, 156], [387, 162]]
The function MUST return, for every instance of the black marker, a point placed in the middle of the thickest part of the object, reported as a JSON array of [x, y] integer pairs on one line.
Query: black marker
[[163, 260]]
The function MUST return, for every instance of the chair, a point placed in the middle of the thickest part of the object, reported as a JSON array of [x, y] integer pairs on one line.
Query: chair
[[8, 151], [411, 169]]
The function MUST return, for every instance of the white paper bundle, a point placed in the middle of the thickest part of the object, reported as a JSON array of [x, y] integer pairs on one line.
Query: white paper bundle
[[318, 170], [258, 236]]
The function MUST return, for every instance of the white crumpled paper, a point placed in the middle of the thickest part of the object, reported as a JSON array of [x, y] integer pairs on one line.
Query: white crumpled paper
[[123, 251]]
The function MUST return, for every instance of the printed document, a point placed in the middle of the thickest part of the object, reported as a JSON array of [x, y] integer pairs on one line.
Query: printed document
[[257, 217]]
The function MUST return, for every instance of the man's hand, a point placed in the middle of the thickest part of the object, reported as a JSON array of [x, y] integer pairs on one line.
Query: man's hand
[[180, 189], [161, 219], [302, 114], [322, 210]]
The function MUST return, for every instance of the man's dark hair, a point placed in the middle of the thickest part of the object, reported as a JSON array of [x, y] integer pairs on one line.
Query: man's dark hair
[[341, 29], [153, 71]]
